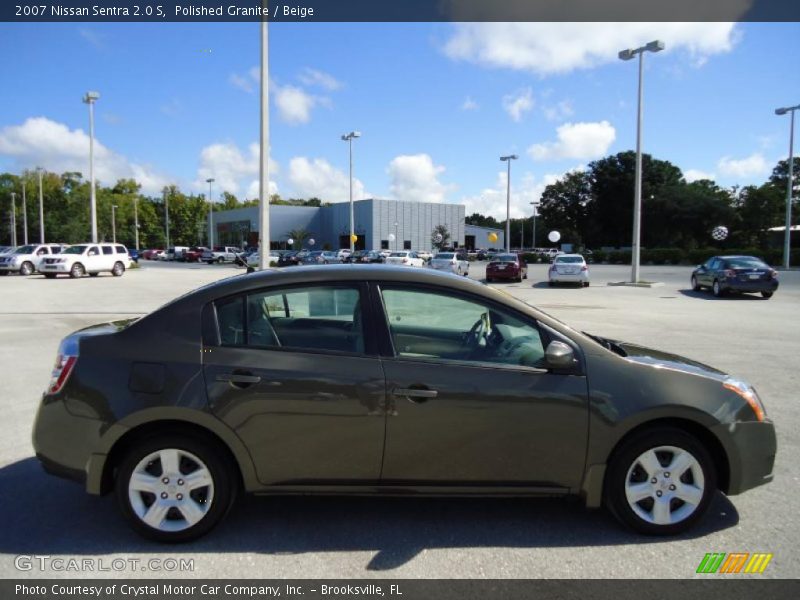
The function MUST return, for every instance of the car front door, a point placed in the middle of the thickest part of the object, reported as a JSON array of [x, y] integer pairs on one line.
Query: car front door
[[471, 400], [705, 274], [293, 371]]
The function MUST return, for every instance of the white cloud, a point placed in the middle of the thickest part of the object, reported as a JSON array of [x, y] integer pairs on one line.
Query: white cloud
[[294, 104], [518, 103], [415, 178], [313, 77], [242, 82], [232, 169], [751, 166], [469, 104], [56, 147], [576, 140], [559, 111], [95, 38], [548, 48], [691, 175], [318, 178]]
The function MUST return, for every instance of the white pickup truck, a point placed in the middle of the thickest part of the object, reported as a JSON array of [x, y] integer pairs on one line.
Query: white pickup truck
[[220, 254]]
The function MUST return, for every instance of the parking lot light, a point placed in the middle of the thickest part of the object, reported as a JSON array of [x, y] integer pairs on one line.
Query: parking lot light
[[41, 207], [508, 160], [535, 206], [348, 137], [787, 234], [13, 219], [628, 54], [24, 215], [209, 181], [114, 223], [90, 98]]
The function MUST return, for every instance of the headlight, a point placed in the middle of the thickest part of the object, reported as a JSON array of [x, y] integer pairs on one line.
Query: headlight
[[747, 392]]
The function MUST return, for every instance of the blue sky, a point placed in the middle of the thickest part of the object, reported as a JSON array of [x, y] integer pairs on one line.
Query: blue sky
[[437, 103]]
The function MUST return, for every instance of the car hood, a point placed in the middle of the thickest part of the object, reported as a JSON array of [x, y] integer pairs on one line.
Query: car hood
[[665, 360]]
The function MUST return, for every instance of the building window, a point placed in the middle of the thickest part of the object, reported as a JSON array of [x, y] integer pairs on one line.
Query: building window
[[407, 245], [384, 244]]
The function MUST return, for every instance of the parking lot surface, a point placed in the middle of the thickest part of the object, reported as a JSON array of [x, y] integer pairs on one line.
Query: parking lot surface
[[752, 338]]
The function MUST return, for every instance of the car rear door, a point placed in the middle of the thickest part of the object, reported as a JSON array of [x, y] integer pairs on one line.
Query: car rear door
[[295, 373], [470, 399]]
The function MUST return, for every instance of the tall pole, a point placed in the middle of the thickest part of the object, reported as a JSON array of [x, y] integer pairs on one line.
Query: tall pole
[[14, 219], [263, 181], [209, 181], [114, 223], [637, 194], [508, 160], [787, 234], [352, 210], [90, 98], [136, 220], [166, 216], [41, 207], [533, 232], [24, 216]]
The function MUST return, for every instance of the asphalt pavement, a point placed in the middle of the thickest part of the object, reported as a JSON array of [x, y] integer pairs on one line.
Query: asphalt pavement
[[328, 537]]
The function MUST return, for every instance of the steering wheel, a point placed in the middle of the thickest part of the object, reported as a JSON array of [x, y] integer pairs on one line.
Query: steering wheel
[[472, 338]]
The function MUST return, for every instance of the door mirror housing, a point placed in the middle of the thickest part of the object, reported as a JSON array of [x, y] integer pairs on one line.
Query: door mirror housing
[[559, 355]]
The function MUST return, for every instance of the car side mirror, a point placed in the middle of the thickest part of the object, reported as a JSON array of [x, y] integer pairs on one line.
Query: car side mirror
[[559, 355]]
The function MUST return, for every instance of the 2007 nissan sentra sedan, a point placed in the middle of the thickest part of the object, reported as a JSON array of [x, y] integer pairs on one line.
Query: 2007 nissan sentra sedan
[[372, 379]]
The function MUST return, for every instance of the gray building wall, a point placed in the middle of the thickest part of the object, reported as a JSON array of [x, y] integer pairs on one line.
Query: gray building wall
[[481, 237]]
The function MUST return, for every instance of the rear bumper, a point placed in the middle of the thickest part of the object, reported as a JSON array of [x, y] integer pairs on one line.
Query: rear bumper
[[503, 274], [750, 286], [581, 277], [751, 448]]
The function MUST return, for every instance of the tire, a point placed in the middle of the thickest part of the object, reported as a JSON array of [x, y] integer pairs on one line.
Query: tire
[[118, 269], [526, 275], [585, 284], [77, 271], [489, 280], [220, 260], [767, 295], [50, 275], [550, 283], [26, 269], [93, 274], [716, 289], [3, 273], [208, 502], [695, 285], [663, 508]]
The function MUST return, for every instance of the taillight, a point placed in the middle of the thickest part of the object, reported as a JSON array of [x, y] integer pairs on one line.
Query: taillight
[[405, 261], [730, 273], [65, 362], [584, 268]]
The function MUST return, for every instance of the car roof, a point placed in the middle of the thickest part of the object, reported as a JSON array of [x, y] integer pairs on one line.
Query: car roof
[[567, 255]]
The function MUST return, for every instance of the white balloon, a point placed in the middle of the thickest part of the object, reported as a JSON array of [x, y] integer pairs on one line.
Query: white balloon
[[554, 236], [719, 233], [437, 237], [391, 237], [311, 242], [290, 241]]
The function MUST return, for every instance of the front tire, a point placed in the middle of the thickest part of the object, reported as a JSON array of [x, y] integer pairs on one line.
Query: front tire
[[26, 269], [695, 285], [77, 271], [660, 482], [50, 275], [175, 488], [118, 269]]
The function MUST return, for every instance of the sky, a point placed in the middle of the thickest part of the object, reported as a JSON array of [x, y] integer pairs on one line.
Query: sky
[[437, 104]]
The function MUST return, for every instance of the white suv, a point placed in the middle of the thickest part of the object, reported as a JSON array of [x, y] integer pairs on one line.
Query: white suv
[[93, 259], [26, 260]]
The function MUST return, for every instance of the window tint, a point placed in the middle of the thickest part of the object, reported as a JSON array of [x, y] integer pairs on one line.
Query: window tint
[[569, 259], [427, 324], [313, 318], [746, 262], [107, 249], [120, 249]]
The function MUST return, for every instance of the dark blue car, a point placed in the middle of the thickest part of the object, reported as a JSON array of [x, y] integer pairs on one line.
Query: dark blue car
[[134, 254], [722, 274]]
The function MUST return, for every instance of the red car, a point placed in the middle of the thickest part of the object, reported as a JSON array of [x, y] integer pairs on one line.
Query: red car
[[194, 253], [506, 266], [151, 254]]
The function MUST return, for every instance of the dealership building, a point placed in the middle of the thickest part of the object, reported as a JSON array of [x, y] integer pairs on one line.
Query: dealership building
[[379, 225]]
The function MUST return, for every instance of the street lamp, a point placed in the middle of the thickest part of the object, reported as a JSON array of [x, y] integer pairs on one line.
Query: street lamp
[[166, 216], [14, 219], [535, 206], [348, 137], [395, 235], [209, 181], [114, 223], [136, 220], [508, 159], [41, 207], [24, 215], [654, 46], [90, 98], [263, 168], [787, 234]]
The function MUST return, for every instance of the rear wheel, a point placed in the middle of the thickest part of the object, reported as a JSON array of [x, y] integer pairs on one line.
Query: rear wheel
[[716, 289], [93, 274], [695, 285], [26, 268], [50, 275], [220, 260], [77, 270], [118, 269], [3, 273], [585, 284], [767, 295], [175, 488], [660, 482], [551, 283]]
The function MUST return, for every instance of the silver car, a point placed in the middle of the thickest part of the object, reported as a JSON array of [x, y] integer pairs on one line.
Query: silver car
[[452, 262], [569, 268]]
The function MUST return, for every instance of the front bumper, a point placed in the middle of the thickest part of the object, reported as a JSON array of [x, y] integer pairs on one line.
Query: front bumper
[[57, 268], [9, 268], [751, 448]]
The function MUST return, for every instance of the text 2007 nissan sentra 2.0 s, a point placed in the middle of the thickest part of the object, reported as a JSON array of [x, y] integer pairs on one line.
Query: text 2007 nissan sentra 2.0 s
[[373, 379]]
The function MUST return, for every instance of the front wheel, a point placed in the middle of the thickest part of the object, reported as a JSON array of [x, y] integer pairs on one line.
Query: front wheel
[[26, 268], [767, 295], [50, 275], [175, 488], [77, 271], [695, 285], [660, 482], [118, 269]]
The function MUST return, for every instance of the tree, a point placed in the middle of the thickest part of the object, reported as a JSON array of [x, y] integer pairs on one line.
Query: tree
[[480, 220], [566, 207], [299, 236], [760, 208], [440, 237]]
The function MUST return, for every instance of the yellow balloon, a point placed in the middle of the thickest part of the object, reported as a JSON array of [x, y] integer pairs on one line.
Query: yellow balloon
[[492, 237], [354, 238]]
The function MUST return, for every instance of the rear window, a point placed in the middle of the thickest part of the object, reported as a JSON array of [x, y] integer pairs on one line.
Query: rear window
[[399, 254], [120, 249], [107, 250], [569, 259], [746, 262], [445, 256], [510, 258]]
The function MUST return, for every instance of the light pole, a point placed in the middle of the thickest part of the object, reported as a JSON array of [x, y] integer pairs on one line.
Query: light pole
[[114, 223], [396, 224], [787, 234], [14, 219], [166, 216], [263, 180], [24, 215], [41, 207], [136, 220], [654, 46], [209, 181], [508, 160], [535, 206], [348, 137], [90, 98]]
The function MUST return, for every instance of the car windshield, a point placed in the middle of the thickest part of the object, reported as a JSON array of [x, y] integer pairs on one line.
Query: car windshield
[[75, 250], [25, 250], [746, 262], [444, 256], [569, 259], [507, 258]]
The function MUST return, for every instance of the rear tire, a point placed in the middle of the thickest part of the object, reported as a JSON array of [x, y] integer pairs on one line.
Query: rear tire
[[175, 488], [643, 493], [118, 269], [585, 284], [3, 273], [77, 271], [26, 269], [93, 274], [50, 275], [767, 295], [550, 283], [695, 285], [716, 289]]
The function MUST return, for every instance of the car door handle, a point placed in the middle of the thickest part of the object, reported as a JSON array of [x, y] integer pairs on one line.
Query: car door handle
[[238, 378], [415, 395]]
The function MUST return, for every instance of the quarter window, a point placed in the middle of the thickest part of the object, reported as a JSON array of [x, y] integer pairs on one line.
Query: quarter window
[[431, 325], [107, 249]]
